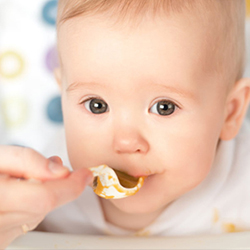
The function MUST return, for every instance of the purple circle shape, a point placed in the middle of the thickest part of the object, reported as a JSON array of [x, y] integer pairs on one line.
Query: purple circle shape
[[51, 59]]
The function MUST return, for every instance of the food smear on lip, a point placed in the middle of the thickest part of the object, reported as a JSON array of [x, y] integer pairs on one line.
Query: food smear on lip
[[107, 183]]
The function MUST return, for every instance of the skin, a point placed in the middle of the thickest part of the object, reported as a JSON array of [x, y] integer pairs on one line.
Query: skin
[[25, 202], [131, 69]]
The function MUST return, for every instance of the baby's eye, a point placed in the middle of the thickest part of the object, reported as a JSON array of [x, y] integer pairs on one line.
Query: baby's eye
[[163, 107], [96, 106]]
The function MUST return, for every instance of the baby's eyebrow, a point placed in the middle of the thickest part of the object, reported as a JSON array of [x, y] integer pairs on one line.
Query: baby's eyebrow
[[76, 85], [171, 89], [181, 92]]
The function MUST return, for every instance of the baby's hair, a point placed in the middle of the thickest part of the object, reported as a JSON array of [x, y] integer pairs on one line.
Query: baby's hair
[[226, 16]]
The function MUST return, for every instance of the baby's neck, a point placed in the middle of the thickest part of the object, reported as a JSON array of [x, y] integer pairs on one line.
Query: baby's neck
[[132, 222]]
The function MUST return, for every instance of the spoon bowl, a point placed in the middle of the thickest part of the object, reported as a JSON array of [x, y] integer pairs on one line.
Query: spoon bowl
[[114, 184]]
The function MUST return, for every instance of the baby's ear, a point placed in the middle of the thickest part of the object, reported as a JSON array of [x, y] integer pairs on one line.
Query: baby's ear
[[58, 77], [236, 108]]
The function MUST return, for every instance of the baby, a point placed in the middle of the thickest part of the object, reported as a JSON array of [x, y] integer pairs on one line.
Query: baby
[[155, 89]]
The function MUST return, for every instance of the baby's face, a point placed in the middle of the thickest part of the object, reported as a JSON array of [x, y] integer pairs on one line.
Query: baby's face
[[145, 101]]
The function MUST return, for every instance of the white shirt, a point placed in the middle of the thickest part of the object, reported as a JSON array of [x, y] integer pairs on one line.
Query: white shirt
[[221, 203]]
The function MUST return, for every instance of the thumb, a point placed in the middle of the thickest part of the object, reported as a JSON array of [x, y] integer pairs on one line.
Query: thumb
[[67, 189]]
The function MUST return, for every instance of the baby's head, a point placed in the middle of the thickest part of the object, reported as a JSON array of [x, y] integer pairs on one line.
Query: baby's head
[[150, 88]]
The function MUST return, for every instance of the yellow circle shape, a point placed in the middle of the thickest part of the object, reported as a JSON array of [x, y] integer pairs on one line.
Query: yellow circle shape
[[11, 64], [248, 7], [15, 111]]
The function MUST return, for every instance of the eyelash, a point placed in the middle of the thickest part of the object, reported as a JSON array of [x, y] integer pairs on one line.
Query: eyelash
[[167, 102], [94, 98]]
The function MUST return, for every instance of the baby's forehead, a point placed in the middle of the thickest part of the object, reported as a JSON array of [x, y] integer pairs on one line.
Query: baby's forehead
[[223, 21]]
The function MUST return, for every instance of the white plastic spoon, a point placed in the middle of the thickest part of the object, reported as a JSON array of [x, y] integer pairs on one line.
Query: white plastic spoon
[[113, 184]]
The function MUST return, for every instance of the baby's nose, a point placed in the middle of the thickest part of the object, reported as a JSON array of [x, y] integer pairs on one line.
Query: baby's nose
[[129, 141]]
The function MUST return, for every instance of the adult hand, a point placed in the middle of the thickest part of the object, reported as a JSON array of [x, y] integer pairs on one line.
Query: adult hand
[[30, 187]]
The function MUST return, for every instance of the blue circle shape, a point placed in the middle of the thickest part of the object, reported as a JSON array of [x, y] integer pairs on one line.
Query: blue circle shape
[[49, 12], [54, 110]]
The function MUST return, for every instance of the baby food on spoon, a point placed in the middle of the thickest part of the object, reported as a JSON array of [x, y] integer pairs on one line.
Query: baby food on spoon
[[113, 184]]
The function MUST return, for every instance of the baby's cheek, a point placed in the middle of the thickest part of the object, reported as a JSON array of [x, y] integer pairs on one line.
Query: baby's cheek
[[188, 177], [194, 180], [198, 175], [193, 165], [78, 153]]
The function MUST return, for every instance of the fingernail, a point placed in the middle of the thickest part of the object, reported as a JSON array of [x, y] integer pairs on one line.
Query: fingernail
[[56, 159], [57, 169]]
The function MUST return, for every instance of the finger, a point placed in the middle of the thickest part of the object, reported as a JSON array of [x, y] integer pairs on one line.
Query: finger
[[56, 159], [18, 195], [42, 198], [27, 163], [8, 236], [68, 189], [15, 219]]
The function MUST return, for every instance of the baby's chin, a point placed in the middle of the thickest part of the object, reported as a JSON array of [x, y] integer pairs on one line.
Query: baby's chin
[[136, 205], [146, 201]]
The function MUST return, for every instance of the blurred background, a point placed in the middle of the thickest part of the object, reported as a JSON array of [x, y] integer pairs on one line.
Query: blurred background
[[30, 104]]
